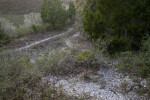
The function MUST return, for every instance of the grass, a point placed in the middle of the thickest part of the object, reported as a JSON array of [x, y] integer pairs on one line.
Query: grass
[[64, 62], [20, 6], [17, 77], [25, 24], [16, 19], [22, 80], [136, 64]]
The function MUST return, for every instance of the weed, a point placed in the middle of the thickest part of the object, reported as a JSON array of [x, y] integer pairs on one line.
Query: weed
[[85, 55], [95, 81], [95, 73], [124, 86], [36, 28]]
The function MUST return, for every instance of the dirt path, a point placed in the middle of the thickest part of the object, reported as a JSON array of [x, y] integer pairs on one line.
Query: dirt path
[[43, 40], [36, 42]]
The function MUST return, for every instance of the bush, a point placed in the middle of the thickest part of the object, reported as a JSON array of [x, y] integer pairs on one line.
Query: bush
[[16, 76], [86, 55], [4, 39], [30, 20], [125, 23], [8, 28], [71, 11], [21, 80], [36, 28], [66, 62], [136, 63], [57, 63], [54, 13]]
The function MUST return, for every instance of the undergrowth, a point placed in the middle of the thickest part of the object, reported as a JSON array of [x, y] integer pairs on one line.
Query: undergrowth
[[21, 80], [67, 62], [137, 63]]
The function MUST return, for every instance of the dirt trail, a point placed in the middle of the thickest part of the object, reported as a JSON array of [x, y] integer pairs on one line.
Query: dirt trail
[[39, 42], [44, 40]]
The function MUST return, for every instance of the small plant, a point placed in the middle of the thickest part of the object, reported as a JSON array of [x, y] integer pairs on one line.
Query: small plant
[[141, 91], [85, 55], [95, 81], [95, 73], [124, 87], [36, 28]]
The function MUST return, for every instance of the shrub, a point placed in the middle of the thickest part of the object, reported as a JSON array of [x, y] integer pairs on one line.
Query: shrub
[[21, 80], [146, 45], [57, 63], [126, 23], [136, 63], [36, 28], [32, 23], [4, 39], [8, 28], [30, 20], [86, 55], [54, 13], [71, 11], [16, 76], [66, 62]]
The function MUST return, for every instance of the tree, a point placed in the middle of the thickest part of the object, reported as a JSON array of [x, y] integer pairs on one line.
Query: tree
[[54, 13], [122, 23], [71, 10]]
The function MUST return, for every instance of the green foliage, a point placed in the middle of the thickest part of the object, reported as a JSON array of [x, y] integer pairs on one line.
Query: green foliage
[[120, 23], [58, 63], [16, 75], [4, 39], [136, 63], [146, 45], [124, 86], [54, 13], [65, 62], [36, 28], [71, 11], [86, 55], [20, 79]]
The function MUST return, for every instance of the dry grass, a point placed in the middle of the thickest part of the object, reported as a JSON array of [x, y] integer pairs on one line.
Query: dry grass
[[21, 80], [20, 6], [23, 6]]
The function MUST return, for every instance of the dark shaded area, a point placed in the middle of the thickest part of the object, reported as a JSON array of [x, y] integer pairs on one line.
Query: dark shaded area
[[122, 25]]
